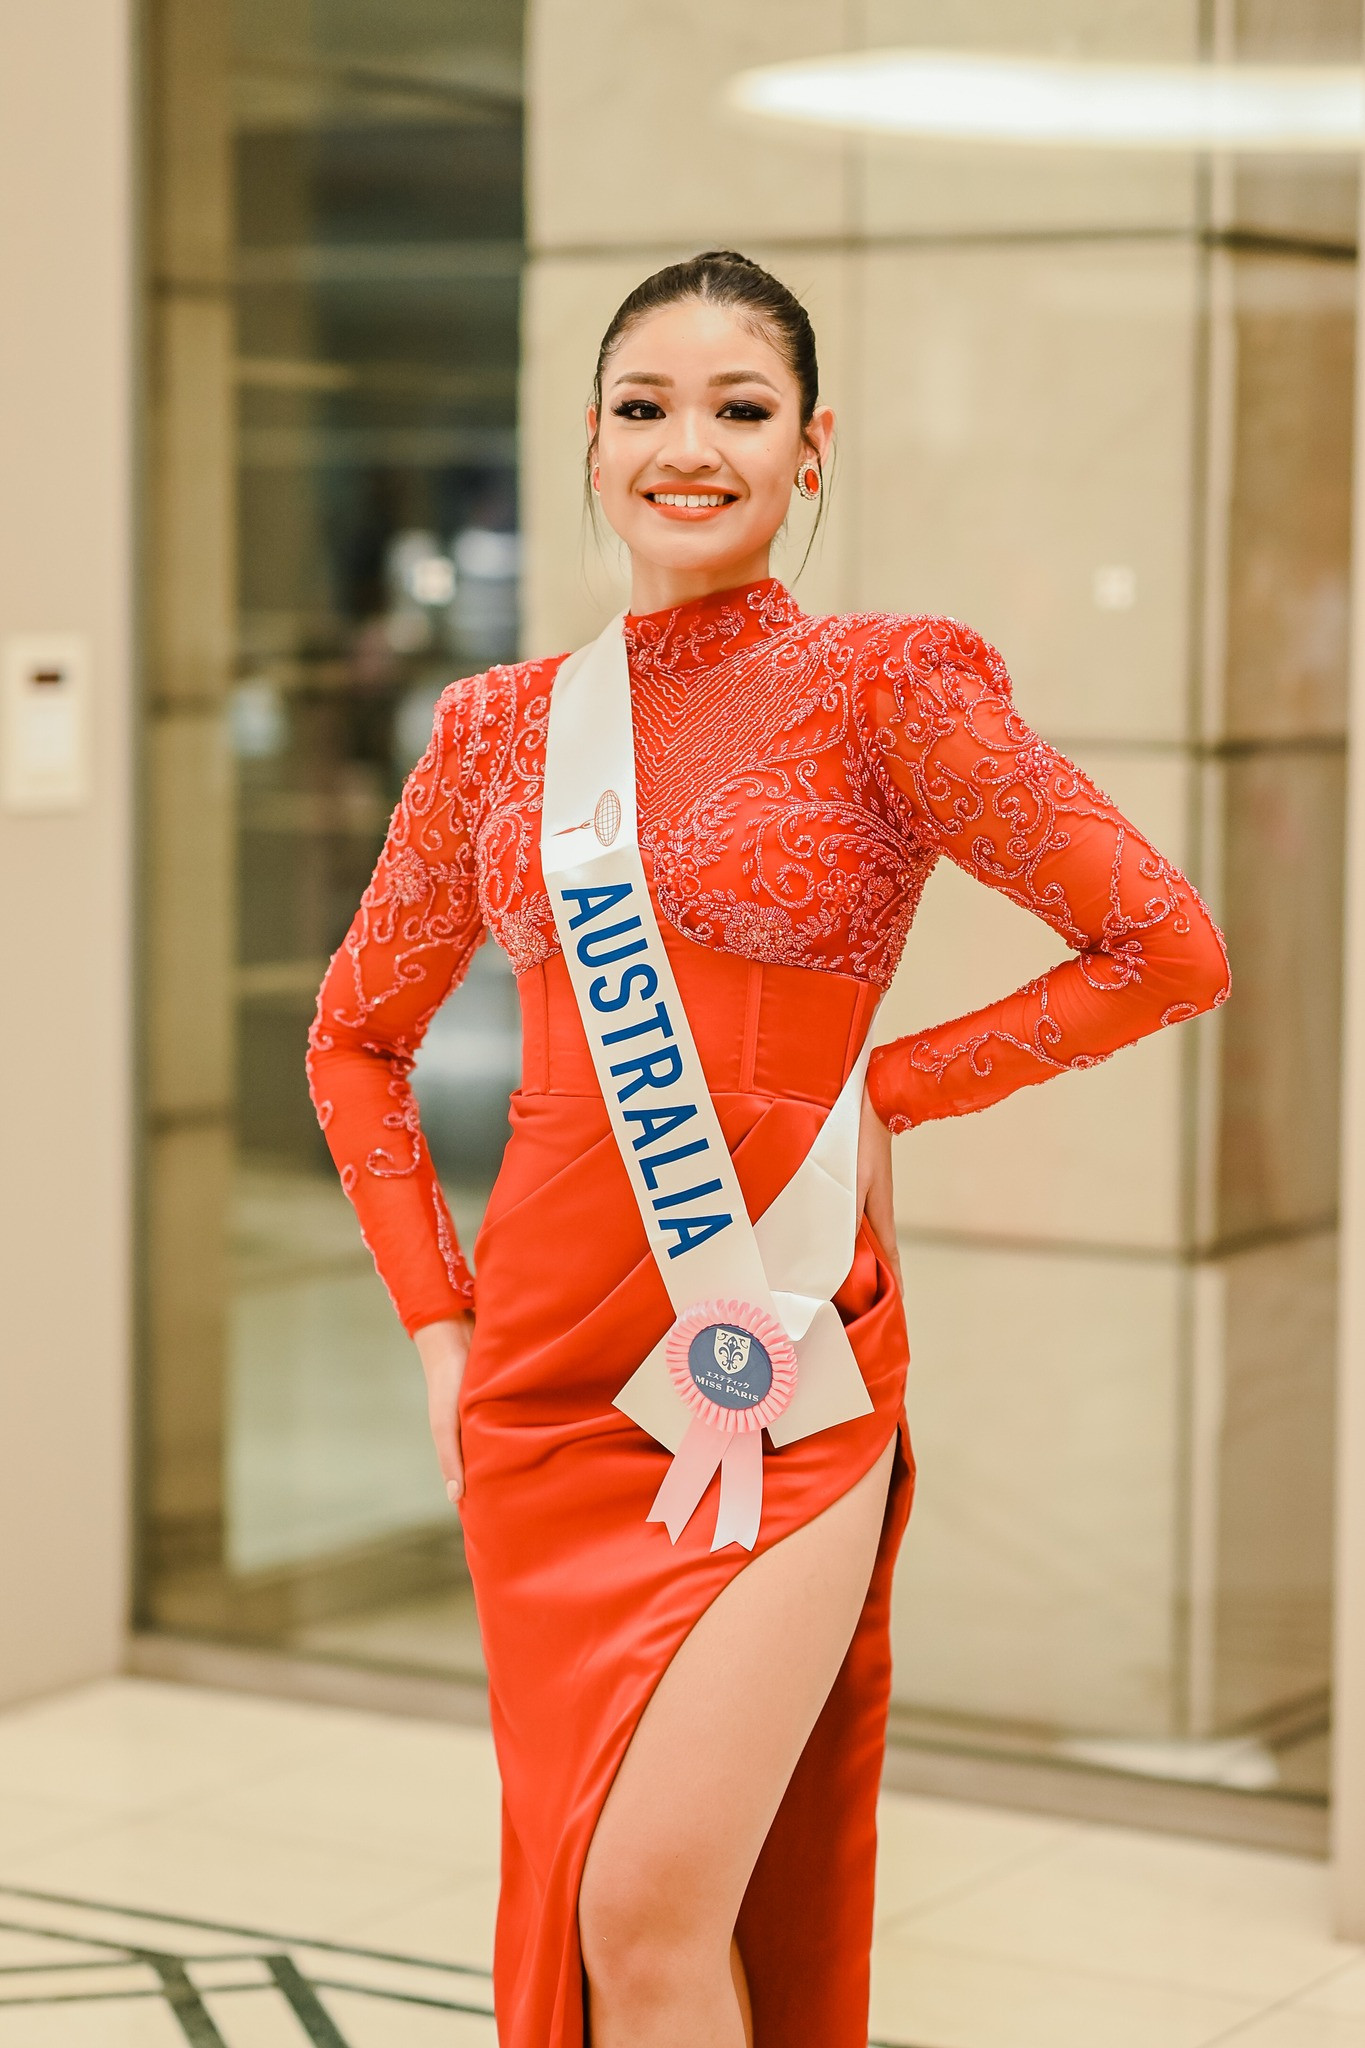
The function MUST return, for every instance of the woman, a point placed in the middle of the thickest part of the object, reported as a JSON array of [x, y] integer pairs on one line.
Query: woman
[[690, 1739]]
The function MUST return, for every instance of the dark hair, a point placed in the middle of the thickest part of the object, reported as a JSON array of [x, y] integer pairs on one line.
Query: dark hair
[[722, 277]]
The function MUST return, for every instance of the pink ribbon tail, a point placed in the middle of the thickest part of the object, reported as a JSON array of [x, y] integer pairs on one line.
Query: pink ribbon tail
[[689, 1475], [741, 1491]]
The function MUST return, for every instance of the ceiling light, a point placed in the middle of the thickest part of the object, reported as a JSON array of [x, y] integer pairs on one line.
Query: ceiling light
[[942, 95]]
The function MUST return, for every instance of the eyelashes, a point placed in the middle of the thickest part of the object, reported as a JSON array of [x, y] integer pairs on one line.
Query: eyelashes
[[745, 409]]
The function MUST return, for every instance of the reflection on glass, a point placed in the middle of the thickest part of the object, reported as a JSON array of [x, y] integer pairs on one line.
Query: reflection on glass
[[377, 336], [370, 209]]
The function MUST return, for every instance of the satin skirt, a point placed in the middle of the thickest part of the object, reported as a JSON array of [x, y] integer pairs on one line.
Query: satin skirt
[[583, 1603]]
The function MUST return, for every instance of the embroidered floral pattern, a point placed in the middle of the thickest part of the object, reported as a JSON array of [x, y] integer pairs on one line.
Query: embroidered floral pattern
[[798, 778]]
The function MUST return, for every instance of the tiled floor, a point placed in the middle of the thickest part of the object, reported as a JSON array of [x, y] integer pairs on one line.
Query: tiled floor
[[329, 1877]]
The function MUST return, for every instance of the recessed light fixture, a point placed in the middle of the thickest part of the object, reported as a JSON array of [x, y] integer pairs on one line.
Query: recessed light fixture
[[949, 96]]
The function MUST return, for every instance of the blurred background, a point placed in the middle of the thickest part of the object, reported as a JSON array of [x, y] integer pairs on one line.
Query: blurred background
[[322, 350]]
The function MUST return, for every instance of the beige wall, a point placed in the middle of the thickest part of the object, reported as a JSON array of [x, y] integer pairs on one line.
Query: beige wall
[[66, 249], [1120, 1287]]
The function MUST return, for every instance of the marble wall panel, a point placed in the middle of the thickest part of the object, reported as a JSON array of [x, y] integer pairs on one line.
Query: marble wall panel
[[1040, 1568], [1314, 200], [1289, 519], [1315, 197], [1102, 31], [918, 189], [1281, 1032], [1271, 1586], [914, 188], [630, 141], [1026, 420], [1095, 1157], [1092, 1159], [1297, 31]]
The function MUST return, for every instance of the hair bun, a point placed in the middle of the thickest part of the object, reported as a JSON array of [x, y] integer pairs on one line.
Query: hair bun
[[727, 256]]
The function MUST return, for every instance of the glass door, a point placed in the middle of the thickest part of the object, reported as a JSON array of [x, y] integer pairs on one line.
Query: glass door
[[336, 215]]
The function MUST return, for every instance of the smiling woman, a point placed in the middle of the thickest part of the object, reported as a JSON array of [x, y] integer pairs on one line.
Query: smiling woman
[[704, 421], [701, 841]]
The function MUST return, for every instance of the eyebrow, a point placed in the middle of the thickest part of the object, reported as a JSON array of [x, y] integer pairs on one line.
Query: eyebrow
[[724, 378]]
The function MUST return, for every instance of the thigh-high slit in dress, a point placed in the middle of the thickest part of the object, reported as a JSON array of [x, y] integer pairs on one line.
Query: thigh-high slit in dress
[[798, 777]]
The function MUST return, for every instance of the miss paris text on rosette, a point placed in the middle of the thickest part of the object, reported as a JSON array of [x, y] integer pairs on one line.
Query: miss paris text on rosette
[[735, 1367]]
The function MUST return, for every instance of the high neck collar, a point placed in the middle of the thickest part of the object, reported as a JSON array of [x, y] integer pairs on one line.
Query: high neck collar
[[707, 630]]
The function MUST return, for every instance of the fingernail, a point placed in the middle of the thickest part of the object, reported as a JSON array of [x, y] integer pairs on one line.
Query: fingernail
[[453, 1489]]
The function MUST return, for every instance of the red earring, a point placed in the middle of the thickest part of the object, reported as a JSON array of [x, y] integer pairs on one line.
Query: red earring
[[808, 480]]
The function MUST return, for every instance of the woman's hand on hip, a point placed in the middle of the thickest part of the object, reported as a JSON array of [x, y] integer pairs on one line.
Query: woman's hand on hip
[[444, 1349], [876, 1198]]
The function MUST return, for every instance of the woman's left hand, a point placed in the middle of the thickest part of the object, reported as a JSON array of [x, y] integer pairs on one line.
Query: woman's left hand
[[876, 1199]]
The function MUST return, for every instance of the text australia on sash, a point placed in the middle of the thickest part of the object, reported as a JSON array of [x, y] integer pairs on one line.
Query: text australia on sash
[[640, 1054]]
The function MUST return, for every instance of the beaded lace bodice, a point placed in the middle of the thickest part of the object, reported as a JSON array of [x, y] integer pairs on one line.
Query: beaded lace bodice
[[797, 779]]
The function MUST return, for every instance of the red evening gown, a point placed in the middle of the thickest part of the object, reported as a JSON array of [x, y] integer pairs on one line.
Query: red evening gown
[[798, 778]]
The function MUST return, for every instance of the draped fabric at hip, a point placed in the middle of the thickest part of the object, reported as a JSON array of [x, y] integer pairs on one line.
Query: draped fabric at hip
[[581, 1602], [797, 779]]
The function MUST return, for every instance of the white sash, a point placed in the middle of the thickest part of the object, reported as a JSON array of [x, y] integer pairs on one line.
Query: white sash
[[768, 1286]]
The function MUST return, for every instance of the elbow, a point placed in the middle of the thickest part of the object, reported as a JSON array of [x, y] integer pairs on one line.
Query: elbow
[[315, 1068], [320, 1043], [1206, 978], [1219, 985], [324, 1061], [1213, 974]]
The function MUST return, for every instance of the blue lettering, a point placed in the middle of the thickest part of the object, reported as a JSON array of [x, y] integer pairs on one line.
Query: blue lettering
[[649, 1071], [650, 1167], [648, 980], [657, 1123], [592, 902], [692, 1231], [592, 940], [658, 1022]]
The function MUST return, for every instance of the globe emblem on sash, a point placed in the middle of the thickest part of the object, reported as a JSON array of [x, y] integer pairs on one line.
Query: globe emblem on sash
[[606, 819], [730, 1366]]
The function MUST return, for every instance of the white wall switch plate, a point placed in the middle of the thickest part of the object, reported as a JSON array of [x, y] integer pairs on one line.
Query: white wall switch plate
[[44, 722]]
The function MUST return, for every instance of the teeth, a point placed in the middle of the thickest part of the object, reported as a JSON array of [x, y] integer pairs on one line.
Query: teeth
[[693, 501]]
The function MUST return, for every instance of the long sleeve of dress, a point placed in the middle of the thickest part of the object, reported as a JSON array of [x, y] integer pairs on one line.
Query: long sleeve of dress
[[411, 941], [976, 783]]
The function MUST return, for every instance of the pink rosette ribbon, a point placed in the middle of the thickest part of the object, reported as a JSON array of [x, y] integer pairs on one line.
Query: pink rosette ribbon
[[735, 1367]]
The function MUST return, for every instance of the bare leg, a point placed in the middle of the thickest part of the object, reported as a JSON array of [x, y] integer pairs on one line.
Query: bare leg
[[697, 1791]]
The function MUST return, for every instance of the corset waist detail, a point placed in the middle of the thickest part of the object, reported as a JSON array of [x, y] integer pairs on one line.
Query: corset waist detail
[[760, 1029]]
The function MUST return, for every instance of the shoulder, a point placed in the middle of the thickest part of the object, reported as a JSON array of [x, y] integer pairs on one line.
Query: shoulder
[[896, 651], [509, 687], [479, 719]]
